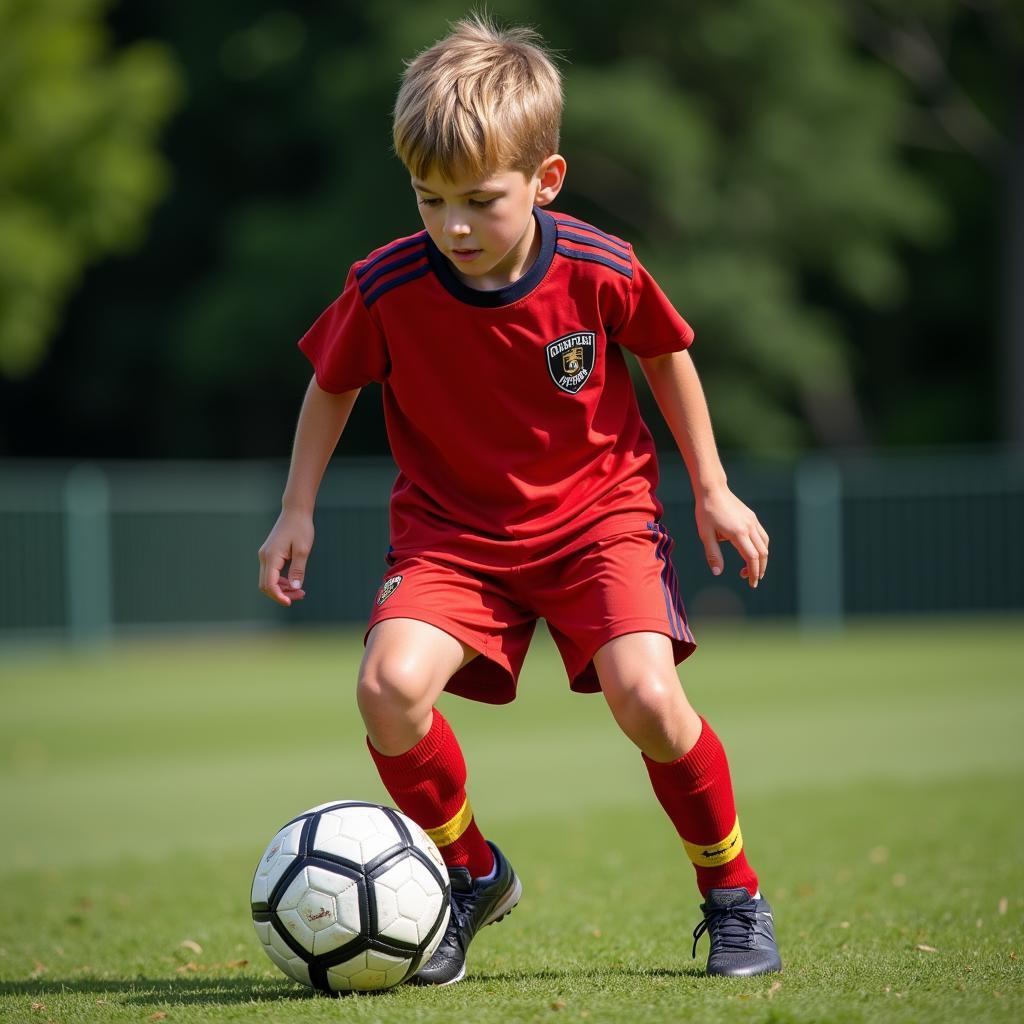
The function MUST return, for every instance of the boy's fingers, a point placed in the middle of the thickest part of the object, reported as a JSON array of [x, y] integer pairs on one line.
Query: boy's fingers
[[273, 588], [750, 555], [760, 555], [713, 553], [297, 570], [759, 539], [269, 558], [271, 564]]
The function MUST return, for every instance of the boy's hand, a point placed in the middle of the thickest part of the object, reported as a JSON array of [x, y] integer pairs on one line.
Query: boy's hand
[[290, 541], [722, 516]]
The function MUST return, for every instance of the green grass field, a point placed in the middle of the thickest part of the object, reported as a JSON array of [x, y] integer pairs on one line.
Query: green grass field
[[879, 777]]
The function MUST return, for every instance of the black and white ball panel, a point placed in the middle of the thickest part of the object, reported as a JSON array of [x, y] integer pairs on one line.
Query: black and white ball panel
[[350, 895]]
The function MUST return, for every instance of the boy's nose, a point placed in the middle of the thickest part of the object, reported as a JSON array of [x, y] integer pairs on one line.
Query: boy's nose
[[456, 227]]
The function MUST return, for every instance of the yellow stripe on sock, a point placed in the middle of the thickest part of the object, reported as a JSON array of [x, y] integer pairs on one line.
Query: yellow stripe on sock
[[446, 834], [716, 854]]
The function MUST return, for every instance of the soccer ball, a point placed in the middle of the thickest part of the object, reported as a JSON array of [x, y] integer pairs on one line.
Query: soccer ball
[[350, 896]]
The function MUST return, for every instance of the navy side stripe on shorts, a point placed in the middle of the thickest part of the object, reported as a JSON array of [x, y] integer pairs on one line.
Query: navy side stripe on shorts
[[662, 553], [670, 585]]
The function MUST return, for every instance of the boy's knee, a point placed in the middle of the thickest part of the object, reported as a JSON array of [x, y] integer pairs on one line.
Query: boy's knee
[[654, 713], [389, 683], [645, 702], [395, 697], [643, 696]]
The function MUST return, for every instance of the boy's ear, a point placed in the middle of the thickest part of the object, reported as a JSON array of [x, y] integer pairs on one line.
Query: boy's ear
[[552, 176]]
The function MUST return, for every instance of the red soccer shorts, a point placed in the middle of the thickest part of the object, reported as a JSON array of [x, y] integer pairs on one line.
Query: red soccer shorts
[[588, 595]]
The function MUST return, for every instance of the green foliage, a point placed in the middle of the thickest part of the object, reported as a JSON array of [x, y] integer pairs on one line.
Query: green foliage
[[754, 152], [79, 168], [139, 786], [746, 149], [758, 154]]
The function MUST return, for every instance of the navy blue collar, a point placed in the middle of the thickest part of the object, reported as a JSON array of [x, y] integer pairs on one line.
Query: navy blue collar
[[511, 292]]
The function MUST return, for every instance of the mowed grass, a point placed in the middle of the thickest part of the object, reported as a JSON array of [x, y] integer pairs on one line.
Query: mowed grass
[[879, 776]]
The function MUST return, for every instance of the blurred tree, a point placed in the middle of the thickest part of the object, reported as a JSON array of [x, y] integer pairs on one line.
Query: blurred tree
[[756, 157], [745, 148], [755, 152], [79, 167], [964, 63]]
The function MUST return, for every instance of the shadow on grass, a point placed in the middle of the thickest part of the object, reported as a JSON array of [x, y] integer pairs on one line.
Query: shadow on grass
[[233, 990], [146, 991]]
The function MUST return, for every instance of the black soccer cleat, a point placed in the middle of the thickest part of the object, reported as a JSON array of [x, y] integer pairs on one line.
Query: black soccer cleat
[[742, 934], [474, 905]]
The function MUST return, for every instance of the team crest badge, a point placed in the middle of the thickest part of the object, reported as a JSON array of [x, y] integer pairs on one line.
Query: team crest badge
[[390, 586], [571, 360]]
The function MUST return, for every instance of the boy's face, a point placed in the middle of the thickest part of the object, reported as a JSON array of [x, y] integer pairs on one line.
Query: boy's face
[[485, 226]]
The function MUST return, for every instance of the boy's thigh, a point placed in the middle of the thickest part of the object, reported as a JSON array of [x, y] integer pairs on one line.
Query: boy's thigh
[[615, 586], [416, 648], [472, 606]]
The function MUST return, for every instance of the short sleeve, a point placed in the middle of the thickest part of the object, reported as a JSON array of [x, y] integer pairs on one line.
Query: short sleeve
[[652, 327], [346, 346]]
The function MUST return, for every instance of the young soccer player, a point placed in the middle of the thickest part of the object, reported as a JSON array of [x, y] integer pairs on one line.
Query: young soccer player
[[526, 483]]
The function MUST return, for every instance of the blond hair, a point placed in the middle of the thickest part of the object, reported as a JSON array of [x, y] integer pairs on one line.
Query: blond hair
[[480, 100]]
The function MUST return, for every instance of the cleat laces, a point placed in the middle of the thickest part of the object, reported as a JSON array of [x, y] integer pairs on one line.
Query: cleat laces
[[734, 927], [462, 906], [460, 922]]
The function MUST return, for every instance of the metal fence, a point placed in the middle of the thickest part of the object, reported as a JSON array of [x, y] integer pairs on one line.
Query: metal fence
[[88, 549]]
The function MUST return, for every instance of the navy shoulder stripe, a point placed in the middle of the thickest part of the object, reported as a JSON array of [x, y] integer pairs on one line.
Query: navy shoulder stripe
[[594, 257], [581, 225], [594, 243], [367, 282], [394, 282], [418, 239]]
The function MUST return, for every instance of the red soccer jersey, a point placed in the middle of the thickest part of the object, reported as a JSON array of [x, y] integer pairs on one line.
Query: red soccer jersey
[[511, 413]]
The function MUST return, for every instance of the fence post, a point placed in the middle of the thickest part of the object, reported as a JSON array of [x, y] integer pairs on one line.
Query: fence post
[[819, 543], [88, 591]]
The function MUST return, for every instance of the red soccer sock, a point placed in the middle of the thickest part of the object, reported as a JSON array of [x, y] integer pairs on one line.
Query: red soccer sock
[[696, 792], [428, 783]]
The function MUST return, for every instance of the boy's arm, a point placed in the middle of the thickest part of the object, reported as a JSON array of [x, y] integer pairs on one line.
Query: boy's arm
[[720, 514], [321, 421]]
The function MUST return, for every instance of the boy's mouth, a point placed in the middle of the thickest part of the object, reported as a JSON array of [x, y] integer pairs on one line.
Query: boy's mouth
[[463, 255]]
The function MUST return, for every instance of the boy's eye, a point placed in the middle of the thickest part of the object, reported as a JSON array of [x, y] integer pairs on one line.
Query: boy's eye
[[437, 201]]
